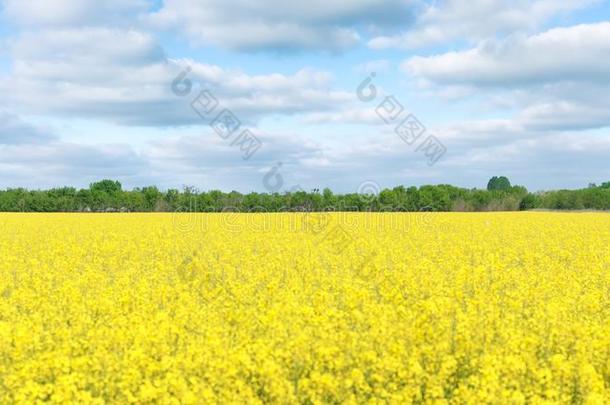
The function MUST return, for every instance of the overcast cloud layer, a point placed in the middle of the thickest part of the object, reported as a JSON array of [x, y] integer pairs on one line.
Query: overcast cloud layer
[[110, 89]]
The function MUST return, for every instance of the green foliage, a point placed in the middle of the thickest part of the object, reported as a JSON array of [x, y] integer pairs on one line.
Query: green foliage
[[528, 202], [108, 196], [106, 186], [498, 183], [590, 198]]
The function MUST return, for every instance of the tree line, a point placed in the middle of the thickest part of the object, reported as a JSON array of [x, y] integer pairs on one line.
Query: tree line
[[109, 196]]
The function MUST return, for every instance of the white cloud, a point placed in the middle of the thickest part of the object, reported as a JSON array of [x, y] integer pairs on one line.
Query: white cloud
[[281, 25], [34, 157], [210, 151], [58, 163], [556, 160], [124, 77], [577, 53], [558, 80], [345, 116], [473, 20], [209, 162], [566, 115], [70, 12], [15, 131]]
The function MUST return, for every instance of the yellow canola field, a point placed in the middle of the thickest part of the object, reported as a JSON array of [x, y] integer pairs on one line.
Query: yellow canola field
[[305, 308]]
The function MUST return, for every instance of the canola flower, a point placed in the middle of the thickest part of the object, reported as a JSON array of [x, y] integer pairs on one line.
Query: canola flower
[[443, 308]]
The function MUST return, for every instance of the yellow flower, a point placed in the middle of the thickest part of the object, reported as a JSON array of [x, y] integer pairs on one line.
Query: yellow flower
[[266, 308]]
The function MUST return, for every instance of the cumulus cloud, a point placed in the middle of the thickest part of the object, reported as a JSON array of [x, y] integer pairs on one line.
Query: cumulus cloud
[[561, 54], [70, 12], [209, 151], [344, 116], [281, 25], [558, 79], [123, 76], [473, 20], [33, 156], [566, 115], [15, 131], [62, 163], [77, 158]]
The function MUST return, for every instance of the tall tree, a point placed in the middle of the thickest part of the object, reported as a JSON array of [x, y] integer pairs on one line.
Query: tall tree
[[498, 183]]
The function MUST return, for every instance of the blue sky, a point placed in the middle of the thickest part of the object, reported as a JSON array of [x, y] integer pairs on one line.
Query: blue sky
[[515, 88]]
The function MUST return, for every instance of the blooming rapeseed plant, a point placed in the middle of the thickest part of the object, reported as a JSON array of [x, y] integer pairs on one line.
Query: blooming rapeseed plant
[[305, 308]]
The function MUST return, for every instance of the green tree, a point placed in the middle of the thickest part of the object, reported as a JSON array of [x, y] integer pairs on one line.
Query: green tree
[[151, 196], [498, 183], [528, 202], [106, 186]]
